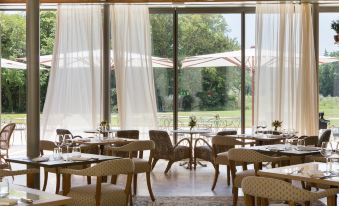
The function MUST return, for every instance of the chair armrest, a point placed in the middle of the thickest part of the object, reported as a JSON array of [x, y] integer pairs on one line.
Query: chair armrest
[[184, 139], [201, 139], [5, 173]]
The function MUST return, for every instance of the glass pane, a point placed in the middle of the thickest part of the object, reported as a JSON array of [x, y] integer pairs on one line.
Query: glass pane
[[328, 70], [162, 61], [249, 74], [209, 70]]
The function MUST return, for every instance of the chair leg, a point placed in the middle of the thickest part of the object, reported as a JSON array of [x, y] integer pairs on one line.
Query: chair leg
[[148, 179], [45, 181], [57, 189], [249, 200], [228, 175], [264, 202], [89, 180], [235, 195], [216, 175], [154, 162], [135, 183], [168, 166], [332, 200], [195, 163]]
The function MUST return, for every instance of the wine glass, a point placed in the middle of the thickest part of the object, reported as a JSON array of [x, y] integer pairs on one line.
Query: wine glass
[[58, 141], [326, 151], [300, 144]]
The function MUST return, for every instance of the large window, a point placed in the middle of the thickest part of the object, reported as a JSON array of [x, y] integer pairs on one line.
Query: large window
[[328, 69]]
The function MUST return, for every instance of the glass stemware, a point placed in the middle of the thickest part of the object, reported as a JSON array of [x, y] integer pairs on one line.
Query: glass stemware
[[326, 151], [300, 144]]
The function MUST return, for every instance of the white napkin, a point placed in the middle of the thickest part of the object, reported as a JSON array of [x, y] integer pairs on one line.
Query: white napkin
[[40, 159], [7, 201]]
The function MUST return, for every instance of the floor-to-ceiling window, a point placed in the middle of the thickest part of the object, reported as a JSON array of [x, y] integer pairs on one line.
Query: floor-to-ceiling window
[[328, 69]]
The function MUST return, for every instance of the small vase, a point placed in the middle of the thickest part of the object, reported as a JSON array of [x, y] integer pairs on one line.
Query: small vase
[[275, 128], [191, 128]]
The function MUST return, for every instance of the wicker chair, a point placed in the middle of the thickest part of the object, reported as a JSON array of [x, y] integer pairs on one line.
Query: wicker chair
[[46, 145], [324, 137], [140, 165], [165, 150], [245, 156], [84, 148], [101, 194], [221, 158], [274, 189], [5, 136], [309, 140]]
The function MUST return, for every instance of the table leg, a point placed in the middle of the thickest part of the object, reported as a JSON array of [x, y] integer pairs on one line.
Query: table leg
[[332, 200], [191, 152], [57, 173], [33, 179]]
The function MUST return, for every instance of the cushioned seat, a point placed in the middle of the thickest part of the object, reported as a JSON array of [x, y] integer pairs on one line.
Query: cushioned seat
[[110, 195], [141, 165], [241, 175], [181, 152]]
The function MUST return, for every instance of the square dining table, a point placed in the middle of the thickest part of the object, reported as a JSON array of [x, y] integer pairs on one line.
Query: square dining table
[[312, 172], [58, 164]]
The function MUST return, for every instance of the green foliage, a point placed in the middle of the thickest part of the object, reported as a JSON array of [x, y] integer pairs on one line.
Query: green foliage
[[47, 31], [329, 77]]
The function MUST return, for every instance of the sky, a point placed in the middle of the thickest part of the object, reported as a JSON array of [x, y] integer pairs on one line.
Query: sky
[[326, 40]]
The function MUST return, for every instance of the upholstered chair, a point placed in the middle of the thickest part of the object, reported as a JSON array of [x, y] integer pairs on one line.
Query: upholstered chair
[[100, 194], [128, 134], [245, 156], [273, 189], [221, 158], [165, 150], [140, 165], [324, 137]]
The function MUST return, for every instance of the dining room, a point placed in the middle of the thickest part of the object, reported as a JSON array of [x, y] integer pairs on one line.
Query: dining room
[[214, 102]]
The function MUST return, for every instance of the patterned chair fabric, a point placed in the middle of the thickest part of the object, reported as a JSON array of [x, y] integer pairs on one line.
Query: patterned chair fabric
[[128, 134], [165, 150], [108, 194], [324, 137], [6, 173], [274, 189], [245, 156]]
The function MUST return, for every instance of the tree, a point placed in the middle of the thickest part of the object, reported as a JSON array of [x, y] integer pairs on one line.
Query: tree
[[47, 31]]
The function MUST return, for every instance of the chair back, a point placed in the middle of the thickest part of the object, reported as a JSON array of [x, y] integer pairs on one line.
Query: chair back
[[129, 134], [5, 135], [46, 145], [247, 156], [162, 141], [224, 143], [275, 189], [110, 167], [141, 145], [324, 137], [310, 140], [64, 132]]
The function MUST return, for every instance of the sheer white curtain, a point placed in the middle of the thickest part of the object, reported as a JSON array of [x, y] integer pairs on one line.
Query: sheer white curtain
[[74, 88], [285, 77], [131, 40]]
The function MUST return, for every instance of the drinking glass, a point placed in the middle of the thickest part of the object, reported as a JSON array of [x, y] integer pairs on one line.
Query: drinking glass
[[76, 151], [326, 151], [4, 187], [57, 153], [300, 144], [58, 141]]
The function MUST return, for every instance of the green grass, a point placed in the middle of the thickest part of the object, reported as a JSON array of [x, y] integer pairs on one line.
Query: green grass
[[329, 105]]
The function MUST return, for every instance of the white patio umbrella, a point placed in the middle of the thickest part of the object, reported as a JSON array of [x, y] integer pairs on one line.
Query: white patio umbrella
[[158, 62]]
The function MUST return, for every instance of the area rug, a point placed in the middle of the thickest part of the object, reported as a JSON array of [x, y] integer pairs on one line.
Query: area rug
[[193, 201]]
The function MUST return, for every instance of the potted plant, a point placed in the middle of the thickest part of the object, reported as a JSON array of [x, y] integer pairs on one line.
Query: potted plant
[[335, 27], [276, 124]]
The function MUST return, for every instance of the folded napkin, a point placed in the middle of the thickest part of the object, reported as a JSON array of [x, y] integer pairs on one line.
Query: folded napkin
[[80, 158], [40, 159], [7, 201], [314, 173]]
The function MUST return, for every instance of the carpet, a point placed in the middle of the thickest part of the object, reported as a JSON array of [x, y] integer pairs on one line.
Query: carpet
[[193, 201]]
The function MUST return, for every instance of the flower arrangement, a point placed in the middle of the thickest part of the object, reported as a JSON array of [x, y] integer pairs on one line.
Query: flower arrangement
[[104, 126], [193, 122], [276, 124]]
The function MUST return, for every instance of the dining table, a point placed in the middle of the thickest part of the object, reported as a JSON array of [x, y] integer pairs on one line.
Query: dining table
[[49, 162], [260, 139], [313, 172], [22, 196], [191, 133], [287, 150]]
